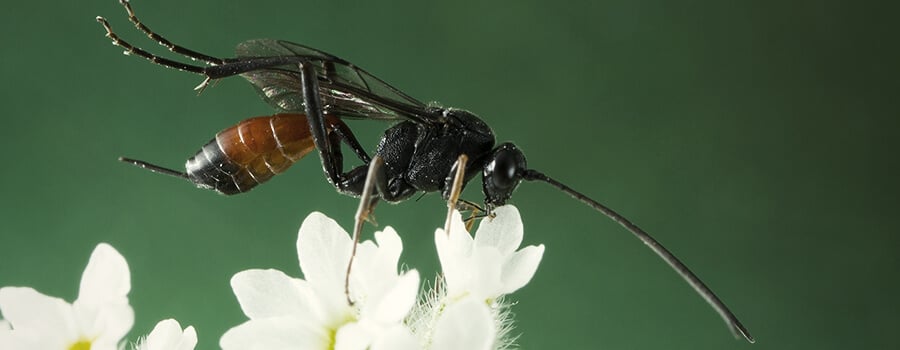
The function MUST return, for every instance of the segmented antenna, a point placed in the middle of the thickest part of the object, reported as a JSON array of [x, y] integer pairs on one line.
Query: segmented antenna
[[730, 319]]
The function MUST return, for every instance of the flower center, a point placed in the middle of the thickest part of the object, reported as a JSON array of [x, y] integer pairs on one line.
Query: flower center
[[81, 345], [332, 331]]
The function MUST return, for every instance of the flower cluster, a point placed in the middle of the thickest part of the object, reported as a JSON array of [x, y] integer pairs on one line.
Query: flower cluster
[[378, 306], [97, 320]]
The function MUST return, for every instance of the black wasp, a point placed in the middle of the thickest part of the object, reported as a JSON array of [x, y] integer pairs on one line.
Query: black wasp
[[313, 91]]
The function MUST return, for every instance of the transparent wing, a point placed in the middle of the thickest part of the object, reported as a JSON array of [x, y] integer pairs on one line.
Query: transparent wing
[[346, 90]]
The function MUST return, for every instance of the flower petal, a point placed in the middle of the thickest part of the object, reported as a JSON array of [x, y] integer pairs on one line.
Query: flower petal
[[34, 315], [276, 333], [352, 336], [454, 250], [476, 271], [459, 238], [396, 302], [397, 338], [323, 248], [15, 341], [386, 257], [102, 311], [106, 277], [269, 293], [520, 268], [485, 275], [106, 325], [167, 335], [375, 269], [465, 325], [504, 231]]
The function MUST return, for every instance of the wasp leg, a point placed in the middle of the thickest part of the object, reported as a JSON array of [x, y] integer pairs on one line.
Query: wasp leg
[[329, 151], [343, 132], [134, 50], [228, 67], [312, 102], [456, 178], [194, 55], [367, 202], [352, 182]]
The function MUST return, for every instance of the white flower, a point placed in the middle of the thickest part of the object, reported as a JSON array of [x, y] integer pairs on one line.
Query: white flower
[[313, 313], [97, 320], [465, 310], [487, 266], [167, 335]]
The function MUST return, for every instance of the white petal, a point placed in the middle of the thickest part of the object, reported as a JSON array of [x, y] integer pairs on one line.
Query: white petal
[[106, 277], [486, 274], [352, 336], [396, 302], [390, 246], [105, 324], [16, 341], [375, 269], [504, 231], [269, 293], [167, 335], [454, 252], [371, 272], [386, 257], [32, 313], [323, 249], [397, 338], [277, 333], [477, 274], [188, 339], [457, 226], [451, 262], [518, 270], [460, 238], [465, 325]]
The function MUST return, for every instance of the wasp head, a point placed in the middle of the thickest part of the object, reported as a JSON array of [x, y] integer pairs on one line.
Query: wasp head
[[502, 174]]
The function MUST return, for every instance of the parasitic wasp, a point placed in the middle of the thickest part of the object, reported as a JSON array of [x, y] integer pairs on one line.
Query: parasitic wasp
[[313, 92]]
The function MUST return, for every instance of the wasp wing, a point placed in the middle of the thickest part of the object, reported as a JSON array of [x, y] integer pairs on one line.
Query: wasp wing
[[346, 90]]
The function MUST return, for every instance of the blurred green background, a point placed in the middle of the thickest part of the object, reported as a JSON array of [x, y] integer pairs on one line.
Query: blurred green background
[[755, 139]]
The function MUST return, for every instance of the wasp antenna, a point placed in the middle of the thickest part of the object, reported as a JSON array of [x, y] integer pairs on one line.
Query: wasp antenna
[[730, 319], [154, 168]]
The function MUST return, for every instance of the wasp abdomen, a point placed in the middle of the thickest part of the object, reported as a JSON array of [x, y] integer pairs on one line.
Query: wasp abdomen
[[250, 153]]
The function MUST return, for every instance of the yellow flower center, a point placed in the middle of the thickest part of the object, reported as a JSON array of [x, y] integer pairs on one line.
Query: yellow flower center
[[81, 345], [332, 338], [332, 331]]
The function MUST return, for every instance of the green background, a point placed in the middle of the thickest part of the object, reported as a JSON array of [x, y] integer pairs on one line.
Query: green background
[[755, 139]]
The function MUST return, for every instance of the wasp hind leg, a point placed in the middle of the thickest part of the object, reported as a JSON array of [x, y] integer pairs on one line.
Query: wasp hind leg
[[134, 50], [328, 145], [193, 55]]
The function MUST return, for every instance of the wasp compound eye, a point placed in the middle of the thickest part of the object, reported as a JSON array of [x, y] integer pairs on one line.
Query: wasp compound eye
[[503, 173]]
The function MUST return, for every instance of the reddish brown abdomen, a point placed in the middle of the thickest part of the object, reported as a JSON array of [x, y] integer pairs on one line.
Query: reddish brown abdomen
[[250, 153]]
